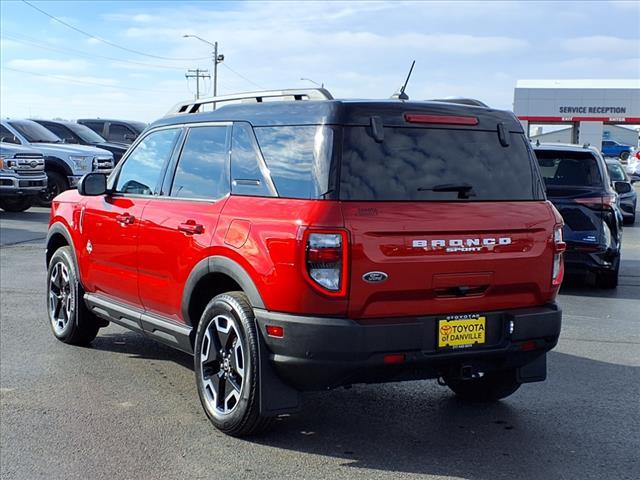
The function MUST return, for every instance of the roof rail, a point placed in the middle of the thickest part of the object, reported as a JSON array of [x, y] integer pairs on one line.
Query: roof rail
[[461, 101], [195, 106]]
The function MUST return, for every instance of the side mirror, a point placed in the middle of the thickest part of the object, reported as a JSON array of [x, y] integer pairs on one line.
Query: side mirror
[[70, 140], [93, 184], [11, 139], [622, 187]]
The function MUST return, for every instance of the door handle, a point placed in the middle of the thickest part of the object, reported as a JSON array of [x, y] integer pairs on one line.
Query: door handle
[[125, 219], [190, 227]]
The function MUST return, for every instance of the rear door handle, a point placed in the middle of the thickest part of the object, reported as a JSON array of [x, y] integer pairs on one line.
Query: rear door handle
[[190, 227], [125, 219]]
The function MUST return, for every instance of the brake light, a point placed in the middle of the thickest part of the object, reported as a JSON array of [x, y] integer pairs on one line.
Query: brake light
[[447, 119], [559, 246], [638, 154], [326, 261], [597, 202]]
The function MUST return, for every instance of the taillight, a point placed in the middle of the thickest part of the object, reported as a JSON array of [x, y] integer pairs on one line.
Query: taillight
[[559, 246], [606, 201], [326, 261], [638, 154]]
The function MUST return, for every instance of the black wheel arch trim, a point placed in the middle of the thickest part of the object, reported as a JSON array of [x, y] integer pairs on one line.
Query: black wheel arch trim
[[226, 266], [58, 228], [59, 165]]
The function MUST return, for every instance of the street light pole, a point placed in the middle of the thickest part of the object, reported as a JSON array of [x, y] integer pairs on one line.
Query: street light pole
[[217, 58]]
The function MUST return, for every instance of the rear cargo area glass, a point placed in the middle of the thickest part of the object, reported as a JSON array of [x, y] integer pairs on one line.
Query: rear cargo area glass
[[576, 169], [420, 164]]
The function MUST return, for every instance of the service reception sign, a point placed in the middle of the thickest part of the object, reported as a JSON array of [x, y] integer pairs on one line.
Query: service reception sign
[[612, 101]]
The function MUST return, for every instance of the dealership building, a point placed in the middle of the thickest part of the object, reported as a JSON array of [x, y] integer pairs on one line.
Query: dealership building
[[589, 108]]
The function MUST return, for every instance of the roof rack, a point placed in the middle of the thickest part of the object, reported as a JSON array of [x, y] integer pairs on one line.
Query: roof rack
[[461, 101], [195, 106]]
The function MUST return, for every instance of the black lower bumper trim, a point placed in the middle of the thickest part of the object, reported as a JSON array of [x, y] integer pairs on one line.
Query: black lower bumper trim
[[320, 352]]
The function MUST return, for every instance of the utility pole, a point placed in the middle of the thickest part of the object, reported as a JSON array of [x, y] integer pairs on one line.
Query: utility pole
[[197, 74], [217, 58]]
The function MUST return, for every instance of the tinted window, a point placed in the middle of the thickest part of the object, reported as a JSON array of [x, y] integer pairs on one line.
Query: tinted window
[[141, 171], [428, 164], [85, 133], [616, 172], [299, 158], [117, 132], [7, 136], [578, 169], [202, 168], [34, 132], [60, 131], [246, 176], [95, 126]]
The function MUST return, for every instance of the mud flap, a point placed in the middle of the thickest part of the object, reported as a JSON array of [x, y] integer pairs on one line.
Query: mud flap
[[276, 397], [535, 371]]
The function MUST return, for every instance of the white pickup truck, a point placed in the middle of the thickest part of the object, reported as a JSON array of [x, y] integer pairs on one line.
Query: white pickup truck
[[65, 164]]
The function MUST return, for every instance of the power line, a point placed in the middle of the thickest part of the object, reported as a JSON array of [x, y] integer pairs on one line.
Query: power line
[[107, 42], [243, 77], [85, 82], [29, 41]]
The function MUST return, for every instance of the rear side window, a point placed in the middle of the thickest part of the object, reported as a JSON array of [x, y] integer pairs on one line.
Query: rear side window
[[202, 168], [298, 157], [141, 170], [616, 172], [576, 169], [247, 178], [95, 126], [120, 133], [429, 164]]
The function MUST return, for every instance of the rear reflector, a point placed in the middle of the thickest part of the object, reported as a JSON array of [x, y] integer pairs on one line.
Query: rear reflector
[[393, 358], [528, 346], [275, 331], [447, 119]]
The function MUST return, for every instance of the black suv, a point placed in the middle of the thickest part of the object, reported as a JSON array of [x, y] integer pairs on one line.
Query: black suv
[[72, 132], [578, 184], [121, 131]]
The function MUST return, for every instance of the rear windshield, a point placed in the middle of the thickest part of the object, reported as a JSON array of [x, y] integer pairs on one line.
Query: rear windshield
[[576, 169], [429, 164], [616, 172]]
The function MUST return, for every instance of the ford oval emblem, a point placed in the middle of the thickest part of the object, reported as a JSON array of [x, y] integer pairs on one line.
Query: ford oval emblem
[[375, 277]]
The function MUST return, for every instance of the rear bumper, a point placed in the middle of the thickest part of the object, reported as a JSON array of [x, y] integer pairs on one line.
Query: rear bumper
[[319, 352], [577, 262]]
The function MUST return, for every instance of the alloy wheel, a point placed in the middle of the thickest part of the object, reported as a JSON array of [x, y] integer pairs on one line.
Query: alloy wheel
[[61, 298], [222, 364]]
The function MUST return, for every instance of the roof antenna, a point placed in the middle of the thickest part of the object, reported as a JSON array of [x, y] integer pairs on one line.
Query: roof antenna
[[402, 95]]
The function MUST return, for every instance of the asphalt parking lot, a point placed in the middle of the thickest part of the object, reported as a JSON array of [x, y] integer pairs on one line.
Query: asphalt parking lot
[[128, 408]]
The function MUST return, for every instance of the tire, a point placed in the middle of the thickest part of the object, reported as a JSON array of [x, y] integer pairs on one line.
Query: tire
[[492, 387], [56, 184], [70, 320], [624, 155], [19, 204], [228, 325]]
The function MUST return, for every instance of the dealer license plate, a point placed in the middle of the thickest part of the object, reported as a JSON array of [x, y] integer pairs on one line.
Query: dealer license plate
[[461, 333]]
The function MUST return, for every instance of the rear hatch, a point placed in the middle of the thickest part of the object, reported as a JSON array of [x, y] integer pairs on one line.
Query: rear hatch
[[575, 186], [452, 216]]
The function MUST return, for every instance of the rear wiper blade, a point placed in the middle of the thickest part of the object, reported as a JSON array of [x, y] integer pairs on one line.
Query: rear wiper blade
[[464, 189]]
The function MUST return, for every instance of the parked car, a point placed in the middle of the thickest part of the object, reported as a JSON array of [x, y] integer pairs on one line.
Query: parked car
[[121, 131], [305, 245], [631, 165], [22, 177], [611, 148], [71, 132], [578, 185], [626, 192], [64, 164]]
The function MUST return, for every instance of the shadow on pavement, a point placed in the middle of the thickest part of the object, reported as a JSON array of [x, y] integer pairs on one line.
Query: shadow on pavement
[[538, 433], [38, 216]]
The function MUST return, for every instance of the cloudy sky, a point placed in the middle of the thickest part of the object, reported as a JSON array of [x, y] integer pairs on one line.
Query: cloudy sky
[[131, 60]]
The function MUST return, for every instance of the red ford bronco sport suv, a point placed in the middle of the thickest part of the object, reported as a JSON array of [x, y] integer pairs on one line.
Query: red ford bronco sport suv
[[311, 243]]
